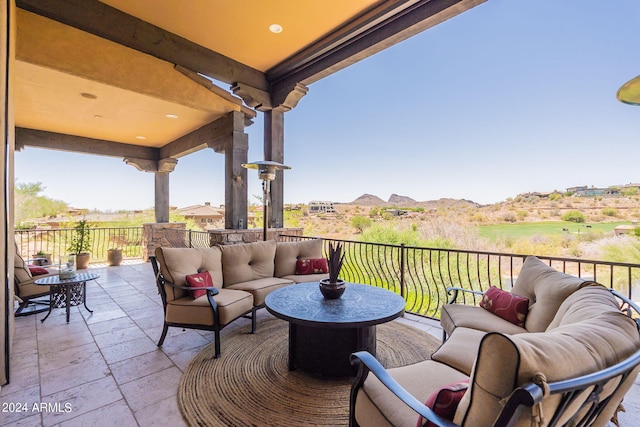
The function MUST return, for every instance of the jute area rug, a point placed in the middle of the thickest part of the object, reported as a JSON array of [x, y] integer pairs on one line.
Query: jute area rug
[[250, 384]]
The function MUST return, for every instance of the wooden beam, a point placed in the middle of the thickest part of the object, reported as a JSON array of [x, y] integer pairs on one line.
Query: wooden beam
[[373, 32], [112, 24], [209, 135], [57, 141]]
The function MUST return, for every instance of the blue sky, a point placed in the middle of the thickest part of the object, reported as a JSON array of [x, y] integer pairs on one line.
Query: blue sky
[[510, 97]]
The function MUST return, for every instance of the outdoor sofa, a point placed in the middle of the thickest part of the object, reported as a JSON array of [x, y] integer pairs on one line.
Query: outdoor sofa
[[573, 356], [241, 275]]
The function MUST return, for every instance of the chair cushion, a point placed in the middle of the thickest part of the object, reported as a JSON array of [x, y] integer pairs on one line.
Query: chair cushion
[[546, 288], [312, 266], [288, 253], [20, 270], [444, 401], [505, 305], [199, 280], [244, 262]]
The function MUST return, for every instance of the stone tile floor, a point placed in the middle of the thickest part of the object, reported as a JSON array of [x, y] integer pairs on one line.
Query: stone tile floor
[[104, 369]]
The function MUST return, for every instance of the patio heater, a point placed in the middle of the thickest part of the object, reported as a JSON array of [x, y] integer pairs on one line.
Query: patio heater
[[267, 173]]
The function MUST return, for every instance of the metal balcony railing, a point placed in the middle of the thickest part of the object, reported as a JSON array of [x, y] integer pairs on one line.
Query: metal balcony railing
[[422, 275], [55, 242]]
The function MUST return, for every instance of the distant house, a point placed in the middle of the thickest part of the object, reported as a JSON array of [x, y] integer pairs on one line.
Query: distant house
[[317, 207], [584, 191], [206, 216], [625, 229]]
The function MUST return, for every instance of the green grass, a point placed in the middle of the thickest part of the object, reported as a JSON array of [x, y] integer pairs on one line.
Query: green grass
[[529, 229]]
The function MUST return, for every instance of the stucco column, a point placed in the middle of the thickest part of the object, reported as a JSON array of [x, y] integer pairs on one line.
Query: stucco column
[[274, 151]]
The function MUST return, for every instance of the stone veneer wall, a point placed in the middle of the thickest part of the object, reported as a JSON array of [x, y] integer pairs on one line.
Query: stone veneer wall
[[232, 237], [154, 236]]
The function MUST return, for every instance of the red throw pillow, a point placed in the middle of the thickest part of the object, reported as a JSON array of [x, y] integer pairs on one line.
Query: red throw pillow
[[444, 402], [200, 280], [37, 271], [506, 305], [312, 266]]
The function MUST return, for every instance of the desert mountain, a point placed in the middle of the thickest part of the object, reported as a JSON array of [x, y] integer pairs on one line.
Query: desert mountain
[[368, 200], [397, 200], [408, 202]]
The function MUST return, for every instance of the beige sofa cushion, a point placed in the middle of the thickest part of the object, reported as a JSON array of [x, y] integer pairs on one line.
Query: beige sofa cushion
[[546, 289], [600, 337], [420, 380], [454, 316], [248, 261], [231, 304], [460, 350], [177, 263], [288, 253], [260, 288]]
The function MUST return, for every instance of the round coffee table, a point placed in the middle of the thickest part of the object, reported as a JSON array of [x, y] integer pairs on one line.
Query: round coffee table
[[67, 292], [324, 332]]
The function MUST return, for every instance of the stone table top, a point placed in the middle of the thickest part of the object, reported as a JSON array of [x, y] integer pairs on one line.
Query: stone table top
[[359, 306]]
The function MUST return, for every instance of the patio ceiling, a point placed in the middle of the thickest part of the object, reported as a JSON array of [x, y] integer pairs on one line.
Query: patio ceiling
[[98, 76]]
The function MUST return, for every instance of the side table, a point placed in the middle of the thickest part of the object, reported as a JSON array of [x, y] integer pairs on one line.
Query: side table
[[67, 292]]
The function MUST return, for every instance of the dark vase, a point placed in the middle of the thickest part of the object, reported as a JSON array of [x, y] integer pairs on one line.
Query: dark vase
[[332, 290]]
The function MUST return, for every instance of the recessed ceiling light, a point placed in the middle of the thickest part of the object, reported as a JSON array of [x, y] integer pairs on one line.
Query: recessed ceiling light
[[141, 137], [88, 95], [275, 28], [171, 116]]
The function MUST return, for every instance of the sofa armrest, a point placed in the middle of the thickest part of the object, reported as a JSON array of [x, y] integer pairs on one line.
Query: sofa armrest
[[368, 363], [454, 293]]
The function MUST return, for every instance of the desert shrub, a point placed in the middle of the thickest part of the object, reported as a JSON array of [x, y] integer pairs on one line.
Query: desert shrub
[[613, 249], [522, 214], [573, 216], [610, 212], [360, 223], [555, 196], [509, 217], [391, 235]]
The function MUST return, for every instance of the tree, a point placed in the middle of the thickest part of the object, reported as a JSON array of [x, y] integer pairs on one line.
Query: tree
[[573, 216], [29, 204]]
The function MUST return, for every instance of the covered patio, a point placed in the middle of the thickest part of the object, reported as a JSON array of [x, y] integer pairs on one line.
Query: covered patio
[[107, 365], [143, 83]]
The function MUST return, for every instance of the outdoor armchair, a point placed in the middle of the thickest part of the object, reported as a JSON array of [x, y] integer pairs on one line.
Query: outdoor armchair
[[29, 294]]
